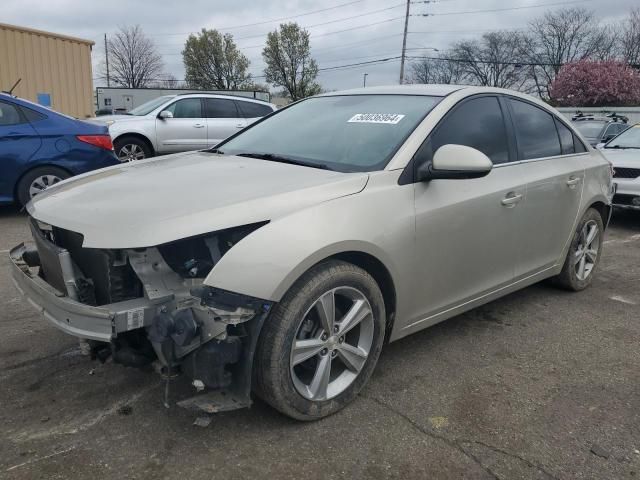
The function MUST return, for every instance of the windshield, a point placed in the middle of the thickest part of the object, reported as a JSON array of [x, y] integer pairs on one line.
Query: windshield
[[589, 129], [345, 133], [630, 138], [149, 106]]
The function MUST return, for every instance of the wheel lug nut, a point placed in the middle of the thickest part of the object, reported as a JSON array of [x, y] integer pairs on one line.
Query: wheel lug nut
[[324, 336], [334, 353], [324, 351]]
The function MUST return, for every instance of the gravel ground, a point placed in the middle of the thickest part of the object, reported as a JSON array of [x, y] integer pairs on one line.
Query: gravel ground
[[540, 384]]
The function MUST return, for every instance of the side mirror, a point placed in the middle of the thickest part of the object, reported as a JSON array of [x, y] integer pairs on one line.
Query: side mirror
[[164, 114], [455, 162]]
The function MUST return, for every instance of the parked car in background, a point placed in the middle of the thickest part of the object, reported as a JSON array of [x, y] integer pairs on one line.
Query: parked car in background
[[283, 258], [624, 153], [40, 147], [177, 123], [599, 129]]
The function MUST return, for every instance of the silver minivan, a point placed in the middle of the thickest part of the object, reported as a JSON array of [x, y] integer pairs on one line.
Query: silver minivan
[[179, 123]]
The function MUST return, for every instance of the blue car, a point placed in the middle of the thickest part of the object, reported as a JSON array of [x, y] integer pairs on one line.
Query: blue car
[[39, 147]]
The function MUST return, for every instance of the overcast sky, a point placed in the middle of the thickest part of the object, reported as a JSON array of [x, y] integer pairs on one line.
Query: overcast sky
[[168, 23]]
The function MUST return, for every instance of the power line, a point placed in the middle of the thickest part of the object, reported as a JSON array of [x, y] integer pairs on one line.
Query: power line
[[502, 9], [292, 16], [245, 47], [373, 12]]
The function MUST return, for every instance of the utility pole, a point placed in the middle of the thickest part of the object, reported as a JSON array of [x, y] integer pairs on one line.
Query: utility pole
[[364, 80], [404, 42], [106, 57]]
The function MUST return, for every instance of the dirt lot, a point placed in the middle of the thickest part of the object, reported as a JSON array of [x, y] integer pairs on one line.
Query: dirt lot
[[541, 384]]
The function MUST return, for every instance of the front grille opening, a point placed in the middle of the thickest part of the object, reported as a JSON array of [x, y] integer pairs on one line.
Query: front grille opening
[[108, 275], [626, 172]]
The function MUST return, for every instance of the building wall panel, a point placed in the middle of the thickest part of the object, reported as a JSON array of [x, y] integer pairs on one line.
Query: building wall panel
[[48, 63]]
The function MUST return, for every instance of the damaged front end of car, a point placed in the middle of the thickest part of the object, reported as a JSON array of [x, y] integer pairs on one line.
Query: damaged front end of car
[[150, 305]]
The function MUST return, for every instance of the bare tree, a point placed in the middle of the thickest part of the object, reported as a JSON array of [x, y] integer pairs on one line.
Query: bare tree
[[435, 70], [630, 39], [133, 59], [165, 80], [492, 60], [560, 37]]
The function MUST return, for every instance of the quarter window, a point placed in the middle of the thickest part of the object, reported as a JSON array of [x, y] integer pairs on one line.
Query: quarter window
[[535, 131], [566, 138], [9, 114], [186, 108], [220, 108], [477, 123], [253, 110]]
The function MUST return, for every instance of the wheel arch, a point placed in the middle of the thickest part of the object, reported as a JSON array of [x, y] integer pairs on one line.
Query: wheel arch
[[380, 273], [139, 136], [603, 209]]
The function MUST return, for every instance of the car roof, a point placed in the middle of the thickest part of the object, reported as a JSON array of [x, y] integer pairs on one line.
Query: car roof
[[434, 90], [223, 95]]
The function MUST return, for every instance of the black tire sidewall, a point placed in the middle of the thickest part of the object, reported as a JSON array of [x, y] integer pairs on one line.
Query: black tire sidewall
[[22, 189], [128, 140], [570, 273], [288, 317]]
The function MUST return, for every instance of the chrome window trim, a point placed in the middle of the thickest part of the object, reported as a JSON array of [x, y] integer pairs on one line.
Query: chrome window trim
[[541, 159]]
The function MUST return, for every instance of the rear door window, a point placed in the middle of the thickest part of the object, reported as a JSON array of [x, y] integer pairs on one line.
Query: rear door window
[[252, 109], [536, 133], [221, 108]]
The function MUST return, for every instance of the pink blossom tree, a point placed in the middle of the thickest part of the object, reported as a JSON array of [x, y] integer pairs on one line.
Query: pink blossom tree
[[596, 84]]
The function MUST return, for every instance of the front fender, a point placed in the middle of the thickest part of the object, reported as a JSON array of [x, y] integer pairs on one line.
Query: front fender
[[378, 221]]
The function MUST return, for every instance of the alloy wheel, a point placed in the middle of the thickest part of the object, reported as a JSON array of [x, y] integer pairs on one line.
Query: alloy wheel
[[332, 344], [131, 152], [586, 253], [41, 183]]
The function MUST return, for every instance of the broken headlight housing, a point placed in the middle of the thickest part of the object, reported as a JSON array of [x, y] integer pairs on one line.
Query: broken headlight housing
[[194, 257]]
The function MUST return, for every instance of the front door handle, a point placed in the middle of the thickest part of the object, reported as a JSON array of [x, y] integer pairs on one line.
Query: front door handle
[[511, 199], [573, 181], [198, 125]]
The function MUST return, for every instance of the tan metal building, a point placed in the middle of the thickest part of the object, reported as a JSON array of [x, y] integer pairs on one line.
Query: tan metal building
[[55, 69]]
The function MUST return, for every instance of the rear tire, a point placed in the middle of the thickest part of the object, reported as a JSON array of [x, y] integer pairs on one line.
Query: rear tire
[[38, 180], [129, 149], [294, 348], [584, 253]]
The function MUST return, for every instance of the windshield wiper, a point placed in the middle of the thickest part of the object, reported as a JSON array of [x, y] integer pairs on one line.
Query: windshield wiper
[[272, 157], [622, 148]]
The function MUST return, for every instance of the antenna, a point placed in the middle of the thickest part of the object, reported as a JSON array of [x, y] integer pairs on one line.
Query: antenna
[[14, 86]]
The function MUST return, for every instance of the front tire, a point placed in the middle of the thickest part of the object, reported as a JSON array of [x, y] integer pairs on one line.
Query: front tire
[[584, 253], [321, 343]]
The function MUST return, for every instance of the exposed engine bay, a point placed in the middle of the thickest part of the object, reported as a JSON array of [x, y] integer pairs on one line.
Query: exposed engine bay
[[159, 310]]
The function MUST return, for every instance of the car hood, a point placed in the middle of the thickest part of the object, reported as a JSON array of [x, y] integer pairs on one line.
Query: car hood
[[159, 200], [623, 157]]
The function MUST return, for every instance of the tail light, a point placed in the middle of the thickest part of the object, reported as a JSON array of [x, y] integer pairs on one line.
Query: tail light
[[100, 141]]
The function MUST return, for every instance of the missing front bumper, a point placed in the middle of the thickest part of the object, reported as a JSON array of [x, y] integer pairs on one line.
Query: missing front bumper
[[102, 323]]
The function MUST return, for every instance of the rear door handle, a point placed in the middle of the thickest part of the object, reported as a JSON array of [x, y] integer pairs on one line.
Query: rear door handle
[[198, 125], [240, 125], [511, 199], [573, 181]]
